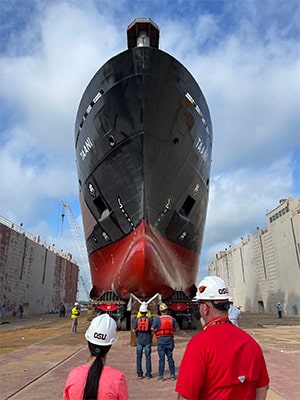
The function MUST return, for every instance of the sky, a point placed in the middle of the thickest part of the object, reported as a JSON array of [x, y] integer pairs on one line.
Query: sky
[[245, 56]]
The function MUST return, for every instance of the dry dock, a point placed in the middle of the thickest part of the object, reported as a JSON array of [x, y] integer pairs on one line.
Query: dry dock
[[37, 353]]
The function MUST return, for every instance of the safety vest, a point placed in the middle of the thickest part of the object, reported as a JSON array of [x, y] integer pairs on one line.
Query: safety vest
[[166, 326], [143, 324], [148, 314], [75, 312]]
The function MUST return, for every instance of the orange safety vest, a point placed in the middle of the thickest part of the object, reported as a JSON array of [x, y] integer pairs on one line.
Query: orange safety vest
[[166, 326], [143, 324]]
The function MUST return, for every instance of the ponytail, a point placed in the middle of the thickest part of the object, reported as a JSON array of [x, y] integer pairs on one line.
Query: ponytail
[[94, 374]]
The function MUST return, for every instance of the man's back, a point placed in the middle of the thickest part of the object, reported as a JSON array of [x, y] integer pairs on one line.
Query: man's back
[[142, 327], [222, 362]]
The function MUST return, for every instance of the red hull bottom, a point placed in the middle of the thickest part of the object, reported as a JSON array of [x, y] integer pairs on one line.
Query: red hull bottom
[[143, 263]]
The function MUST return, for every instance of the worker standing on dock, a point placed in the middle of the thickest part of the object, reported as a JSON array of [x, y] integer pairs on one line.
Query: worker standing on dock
[[211, 369], [96, 380], [279, 310], [164, 327], [20, 310], [75, 312], [142, 329], [62, 310], [3, 309], [234, 313]]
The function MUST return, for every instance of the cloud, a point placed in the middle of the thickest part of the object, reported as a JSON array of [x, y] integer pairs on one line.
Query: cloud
[[46, 83], [41, 87], [239, 201]]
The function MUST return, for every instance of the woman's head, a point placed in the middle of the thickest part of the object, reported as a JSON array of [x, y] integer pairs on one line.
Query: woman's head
[[101, 334]]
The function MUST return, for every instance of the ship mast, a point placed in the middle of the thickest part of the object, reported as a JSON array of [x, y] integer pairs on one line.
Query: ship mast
[[142, 32]]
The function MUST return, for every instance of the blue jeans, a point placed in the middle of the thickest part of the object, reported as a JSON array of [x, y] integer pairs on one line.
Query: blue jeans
[[139, 354], [165, 350]]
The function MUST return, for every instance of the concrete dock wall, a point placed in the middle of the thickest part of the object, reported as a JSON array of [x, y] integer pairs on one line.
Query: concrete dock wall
[[264, 269], [33, 273]]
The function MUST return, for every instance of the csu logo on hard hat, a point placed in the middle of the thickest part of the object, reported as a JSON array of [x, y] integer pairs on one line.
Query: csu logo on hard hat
[[100, 336], [223, 291], [102, 331], [212, 288]]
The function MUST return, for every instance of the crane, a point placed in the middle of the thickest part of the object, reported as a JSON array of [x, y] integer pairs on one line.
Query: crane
[[79, 241]]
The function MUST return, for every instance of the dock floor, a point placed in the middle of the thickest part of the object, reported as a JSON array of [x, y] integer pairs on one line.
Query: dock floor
[[37, 353]]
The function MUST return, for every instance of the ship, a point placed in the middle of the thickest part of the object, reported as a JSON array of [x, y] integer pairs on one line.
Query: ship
[[143, 140]]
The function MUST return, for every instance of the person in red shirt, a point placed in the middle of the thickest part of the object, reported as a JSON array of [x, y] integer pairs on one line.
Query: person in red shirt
[[95, 380], [222, 361]]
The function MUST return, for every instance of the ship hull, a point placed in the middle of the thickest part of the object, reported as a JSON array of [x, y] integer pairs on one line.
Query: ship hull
[[143, 145]]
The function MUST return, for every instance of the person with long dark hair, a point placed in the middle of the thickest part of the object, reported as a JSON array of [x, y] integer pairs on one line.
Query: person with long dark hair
[[95, 380]]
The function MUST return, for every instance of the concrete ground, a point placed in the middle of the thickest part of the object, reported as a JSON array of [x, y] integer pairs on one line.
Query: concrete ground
[[37, 353]]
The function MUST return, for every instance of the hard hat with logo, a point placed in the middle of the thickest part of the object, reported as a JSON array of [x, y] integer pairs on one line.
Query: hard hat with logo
[[212, 288], [102, 331], [163, 307], [143, 307]]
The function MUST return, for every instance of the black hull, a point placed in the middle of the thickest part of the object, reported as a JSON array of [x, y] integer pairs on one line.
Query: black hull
[[143, 147]]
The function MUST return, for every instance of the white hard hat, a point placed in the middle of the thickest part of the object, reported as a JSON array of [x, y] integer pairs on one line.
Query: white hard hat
[[212, 288], [143, 307], [230, 299], [102, 331], [76, 303]]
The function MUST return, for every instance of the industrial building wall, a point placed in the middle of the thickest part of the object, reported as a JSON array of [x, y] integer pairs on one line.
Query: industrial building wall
[[264, 269], [65, 282], [33, 274]]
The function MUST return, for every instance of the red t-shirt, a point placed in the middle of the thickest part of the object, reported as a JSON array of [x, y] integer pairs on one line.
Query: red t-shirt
[[222, 362]]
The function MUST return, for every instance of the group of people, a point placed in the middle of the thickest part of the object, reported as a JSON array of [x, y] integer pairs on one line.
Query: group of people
[[220, 362], [163, 327]]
